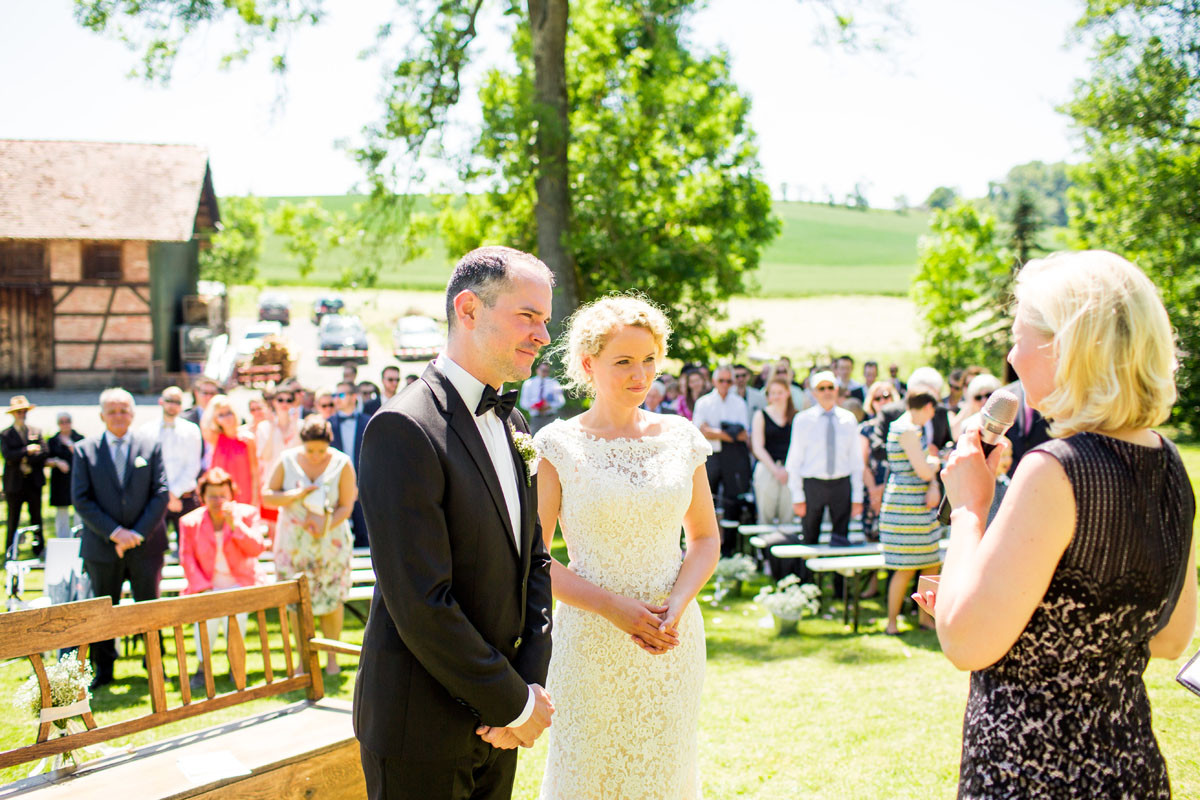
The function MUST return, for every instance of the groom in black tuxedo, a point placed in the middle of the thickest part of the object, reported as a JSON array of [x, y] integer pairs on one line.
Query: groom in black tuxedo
[[457, 644]]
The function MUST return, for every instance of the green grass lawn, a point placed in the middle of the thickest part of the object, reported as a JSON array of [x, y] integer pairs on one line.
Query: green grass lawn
[[821, 250], [823, 714]]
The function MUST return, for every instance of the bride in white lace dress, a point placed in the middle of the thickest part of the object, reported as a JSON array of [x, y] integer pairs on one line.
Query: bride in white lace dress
[[628, 659]]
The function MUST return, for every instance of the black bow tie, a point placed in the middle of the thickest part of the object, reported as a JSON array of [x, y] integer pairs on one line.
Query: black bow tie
[[503, 403]]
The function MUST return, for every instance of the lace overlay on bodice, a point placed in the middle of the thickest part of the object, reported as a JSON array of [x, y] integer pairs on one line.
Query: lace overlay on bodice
[[625, 721]]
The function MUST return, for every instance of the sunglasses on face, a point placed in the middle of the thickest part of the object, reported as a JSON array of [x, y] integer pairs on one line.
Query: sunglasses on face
[[979, 398], [391, 380], [341, 394], [884, 396], [324, 405], [825, 388], [172, 402]]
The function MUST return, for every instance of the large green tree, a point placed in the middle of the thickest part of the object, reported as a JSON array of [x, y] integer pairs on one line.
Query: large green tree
[[665, 186], [234, 251], [1139, 115]]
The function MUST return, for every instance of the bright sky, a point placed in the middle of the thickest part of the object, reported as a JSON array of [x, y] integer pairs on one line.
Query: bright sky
[[968, 95]]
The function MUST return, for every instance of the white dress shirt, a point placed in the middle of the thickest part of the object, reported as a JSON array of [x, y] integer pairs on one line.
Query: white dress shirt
[[491, 429], [181, 445], [807, 455], [539, 388], [712, 410]]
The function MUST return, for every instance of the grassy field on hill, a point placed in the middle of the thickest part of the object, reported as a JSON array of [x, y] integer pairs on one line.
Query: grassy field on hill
[[821, 250]]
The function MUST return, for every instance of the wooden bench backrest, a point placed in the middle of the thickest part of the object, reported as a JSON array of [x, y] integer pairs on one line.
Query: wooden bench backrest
[[28, 634]]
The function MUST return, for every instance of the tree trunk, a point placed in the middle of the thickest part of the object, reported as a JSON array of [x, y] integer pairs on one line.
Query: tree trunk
[[548, 25]]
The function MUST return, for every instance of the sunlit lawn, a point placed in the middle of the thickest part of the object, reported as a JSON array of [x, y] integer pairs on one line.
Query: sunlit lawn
[[823, 714]]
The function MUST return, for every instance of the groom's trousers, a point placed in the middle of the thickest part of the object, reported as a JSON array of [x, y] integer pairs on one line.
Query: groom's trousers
[[484, 774]]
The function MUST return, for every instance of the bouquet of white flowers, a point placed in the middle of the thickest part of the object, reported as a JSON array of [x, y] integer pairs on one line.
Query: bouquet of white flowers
[[789, 600], [730, 573], [70, 692]]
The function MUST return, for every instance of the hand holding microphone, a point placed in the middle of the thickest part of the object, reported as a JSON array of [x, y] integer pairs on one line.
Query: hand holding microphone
[[997, 416]]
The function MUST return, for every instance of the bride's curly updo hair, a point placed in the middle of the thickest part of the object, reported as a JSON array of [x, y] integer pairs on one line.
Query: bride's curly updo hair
[[587, 331]]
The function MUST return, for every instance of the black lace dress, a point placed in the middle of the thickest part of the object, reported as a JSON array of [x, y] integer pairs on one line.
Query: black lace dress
[[1064, 714]]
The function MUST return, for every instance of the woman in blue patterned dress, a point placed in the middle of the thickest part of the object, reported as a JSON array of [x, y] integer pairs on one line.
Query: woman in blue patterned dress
[[908, 526]]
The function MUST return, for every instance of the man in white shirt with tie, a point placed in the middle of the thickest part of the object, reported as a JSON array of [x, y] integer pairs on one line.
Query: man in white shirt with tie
[[825, 464], [181, 445], [542, 397]]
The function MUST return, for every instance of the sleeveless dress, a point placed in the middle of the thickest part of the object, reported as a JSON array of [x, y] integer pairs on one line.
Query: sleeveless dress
[[908, 531], [233, 456], [625, 721], [1064, 714], [325, 560]]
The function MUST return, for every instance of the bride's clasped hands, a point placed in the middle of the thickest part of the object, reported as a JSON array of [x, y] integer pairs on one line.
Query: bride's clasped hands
[[653, 628]]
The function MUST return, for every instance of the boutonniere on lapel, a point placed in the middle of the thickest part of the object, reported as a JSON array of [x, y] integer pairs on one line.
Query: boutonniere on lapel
[[139, 462], [528, 450]]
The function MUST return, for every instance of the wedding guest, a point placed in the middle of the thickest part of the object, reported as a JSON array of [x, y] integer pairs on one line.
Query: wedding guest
[[542, 397], [874, 447], [24, 473], [756, 400], [894, 377], [824, 464], [409, 379], [313, 486], [61, 450], [218, 550], [259, 410], [724, 420], [655, 399], [771, 436], [348, 426], [368, 397], [956, 382], [274, 435], [783, 369], [323, 403], [390, 378], [1059, 606], [203, 390], [233, 448], [119, 489], [974, 398], [908, 526], [870, 374], [843, 368], [694, 388], [180, 442]]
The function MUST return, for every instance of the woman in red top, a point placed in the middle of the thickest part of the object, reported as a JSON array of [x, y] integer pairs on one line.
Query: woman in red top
[[233, 449], [218, 548]]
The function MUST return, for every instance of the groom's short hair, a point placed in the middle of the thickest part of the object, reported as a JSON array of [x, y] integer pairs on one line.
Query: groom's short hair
[[485, 272]]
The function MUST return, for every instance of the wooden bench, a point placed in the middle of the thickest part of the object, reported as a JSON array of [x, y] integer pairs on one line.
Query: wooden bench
[[857, 570], [305, 749]]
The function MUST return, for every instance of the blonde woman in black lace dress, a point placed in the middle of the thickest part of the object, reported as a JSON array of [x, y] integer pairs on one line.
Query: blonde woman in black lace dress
[[1088, 569]]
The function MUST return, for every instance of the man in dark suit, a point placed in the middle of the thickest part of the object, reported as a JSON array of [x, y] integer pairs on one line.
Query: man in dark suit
[[119, 489], [1030, 429], [24, 473], [457, 644], [348, 428]]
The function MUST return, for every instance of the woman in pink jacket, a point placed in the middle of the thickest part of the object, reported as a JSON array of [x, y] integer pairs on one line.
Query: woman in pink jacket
[[218, 548]]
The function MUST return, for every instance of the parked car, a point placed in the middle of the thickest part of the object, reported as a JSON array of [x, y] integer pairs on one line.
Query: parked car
[[341, 340], [253, 337], [274, 305], [417, 338], [327, 304]]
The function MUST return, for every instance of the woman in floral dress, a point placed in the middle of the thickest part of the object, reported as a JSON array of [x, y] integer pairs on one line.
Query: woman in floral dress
[[314, 488]]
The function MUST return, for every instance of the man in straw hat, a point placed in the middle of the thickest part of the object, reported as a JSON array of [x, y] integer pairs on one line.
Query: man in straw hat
[[24, 473]]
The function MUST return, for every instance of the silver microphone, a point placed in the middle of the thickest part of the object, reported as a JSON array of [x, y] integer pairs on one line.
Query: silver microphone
[[997, 416]]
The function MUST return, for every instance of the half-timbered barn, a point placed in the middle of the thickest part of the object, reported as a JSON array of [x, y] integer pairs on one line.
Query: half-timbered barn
[[99, 244]]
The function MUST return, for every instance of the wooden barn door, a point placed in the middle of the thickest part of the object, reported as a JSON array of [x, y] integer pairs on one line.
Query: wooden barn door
[[26, 337]]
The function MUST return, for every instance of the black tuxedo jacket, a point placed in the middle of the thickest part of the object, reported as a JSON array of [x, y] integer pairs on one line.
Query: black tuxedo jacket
[[1025, 438], [14, 448], [104, 504], [360, 427], [460, 620]]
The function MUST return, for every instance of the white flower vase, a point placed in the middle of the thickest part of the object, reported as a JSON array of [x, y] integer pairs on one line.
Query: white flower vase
[[786, 626]]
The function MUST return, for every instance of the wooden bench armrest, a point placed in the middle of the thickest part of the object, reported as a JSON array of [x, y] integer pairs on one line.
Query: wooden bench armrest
[[334, 646]]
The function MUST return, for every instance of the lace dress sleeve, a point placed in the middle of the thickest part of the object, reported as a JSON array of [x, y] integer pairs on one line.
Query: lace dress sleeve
[[548, 446], [698, 447]]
